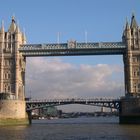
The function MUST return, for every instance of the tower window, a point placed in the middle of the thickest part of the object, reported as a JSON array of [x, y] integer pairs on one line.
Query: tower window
[[8, 88], [5, 88], [9, 37], [132, 32], [134, 59], [8, 76], [134, 73], [5, 35], [5, 76], [13, 36]]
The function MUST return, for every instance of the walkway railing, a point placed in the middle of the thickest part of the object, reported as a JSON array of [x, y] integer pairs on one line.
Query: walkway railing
[[73, 48]]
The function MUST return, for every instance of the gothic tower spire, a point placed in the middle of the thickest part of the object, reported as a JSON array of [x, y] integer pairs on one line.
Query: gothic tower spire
[[133, 21], [23, 37], [2, 32], [17, 30], [2, 27], [12, 27], [127, 26]]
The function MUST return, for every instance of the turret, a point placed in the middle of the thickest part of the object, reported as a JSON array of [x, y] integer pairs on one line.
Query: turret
[[23, 38], [127, 35], [139, 36], [17, 31], [18, 34], [133, 22], [12, 27], [131, 34], [2, 32], [2, 27], [127, 29], [134, 33]]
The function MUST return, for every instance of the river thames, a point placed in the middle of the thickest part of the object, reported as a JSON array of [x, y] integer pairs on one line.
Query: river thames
[[96, 128]]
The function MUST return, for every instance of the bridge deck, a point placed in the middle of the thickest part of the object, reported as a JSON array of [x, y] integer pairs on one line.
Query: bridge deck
[[73, 48], [36, 104]]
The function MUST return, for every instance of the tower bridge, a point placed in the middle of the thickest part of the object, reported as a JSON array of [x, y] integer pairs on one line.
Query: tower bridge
[[14, 50]]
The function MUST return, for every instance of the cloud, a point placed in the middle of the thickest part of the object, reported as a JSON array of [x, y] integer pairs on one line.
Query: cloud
[[54, 78]]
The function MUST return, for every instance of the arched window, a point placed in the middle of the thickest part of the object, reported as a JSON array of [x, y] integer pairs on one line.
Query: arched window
[[9, 75], [5, 87], [5, 76], [13, 36], [138, 85], [9, 88]]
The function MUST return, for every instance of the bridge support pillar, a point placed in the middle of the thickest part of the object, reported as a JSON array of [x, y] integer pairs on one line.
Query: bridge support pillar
[[130, 111], [12, 112], [30, 116]]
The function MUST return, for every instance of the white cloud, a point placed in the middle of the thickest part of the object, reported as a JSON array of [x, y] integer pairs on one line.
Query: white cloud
[[53, 78]]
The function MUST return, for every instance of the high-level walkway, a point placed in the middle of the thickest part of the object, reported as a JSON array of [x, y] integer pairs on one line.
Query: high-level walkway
[[73, 48], [102, 102]]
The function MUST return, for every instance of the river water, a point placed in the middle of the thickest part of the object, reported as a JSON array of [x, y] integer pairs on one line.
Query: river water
[[96, 128]]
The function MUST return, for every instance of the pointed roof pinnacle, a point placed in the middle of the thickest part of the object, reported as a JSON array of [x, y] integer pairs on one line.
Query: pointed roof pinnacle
[[24, 32], [23, 35], [2, 27], [127, 26], [13, 25], [13, 18], [133, 21], [17, 28]]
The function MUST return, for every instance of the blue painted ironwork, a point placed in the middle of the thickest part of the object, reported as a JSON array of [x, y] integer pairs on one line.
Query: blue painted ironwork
[[101, 102], [73, 48]]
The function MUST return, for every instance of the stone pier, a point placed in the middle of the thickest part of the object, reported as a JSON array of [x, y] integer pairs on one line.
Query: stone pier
[[12, 112], [130, 111]]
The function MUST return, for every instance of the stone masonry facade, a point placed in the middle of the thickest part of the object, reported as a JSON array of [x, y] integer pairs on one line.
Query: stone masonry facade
[[131, 36], [12, 63]]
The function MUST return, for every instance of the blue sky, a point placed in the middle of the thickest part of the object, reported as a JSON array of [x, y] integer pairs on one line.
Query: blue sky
[[43, 19]]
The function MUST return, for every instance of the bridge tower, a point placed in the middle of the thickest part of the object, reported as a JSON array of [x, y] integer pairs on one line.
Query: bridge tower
[[12, 75], [131, 37], [130, 105]]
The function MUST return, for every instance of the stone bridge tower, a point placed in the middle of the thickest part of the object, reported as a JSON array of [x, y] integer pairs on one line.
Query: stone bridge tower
[[131, 37], [12, 75], [130, 105], [12, 66]]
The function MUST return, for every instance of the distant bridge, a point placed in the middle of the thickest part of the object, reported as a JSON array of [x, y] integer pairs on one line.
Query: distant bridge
[[101, 102]]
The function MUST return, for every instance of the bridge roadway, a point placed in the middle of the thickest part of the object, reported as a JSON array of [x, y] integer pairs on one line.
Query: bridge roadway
[[101, 102], [73, 48]]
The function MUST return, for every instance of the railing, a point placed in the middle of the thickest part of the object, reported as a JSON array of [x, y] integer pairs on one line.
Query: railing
[[71, 45], [71, 99]]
